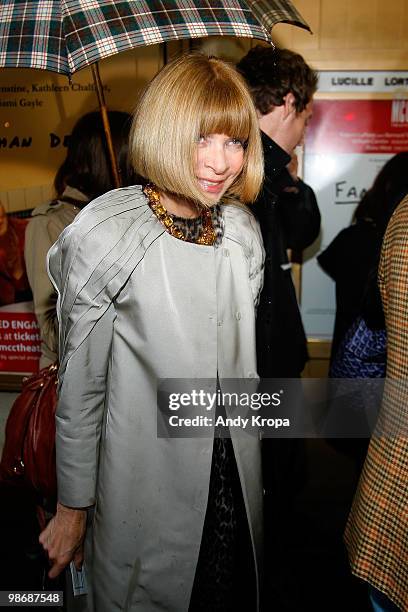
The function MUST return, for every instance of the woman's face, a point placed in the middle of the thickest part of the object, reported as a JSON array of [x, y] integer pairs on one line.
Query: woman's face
[[219, 160]]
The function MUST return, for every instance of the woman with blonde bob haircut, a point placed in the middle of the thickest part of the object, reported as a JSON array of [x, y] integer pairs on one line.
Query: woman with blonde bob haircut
[[160, 282], [205, 96]]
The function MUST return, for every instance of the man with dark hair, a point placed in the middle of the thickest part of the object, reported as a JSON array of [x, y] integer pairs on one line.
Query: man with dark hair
[[282, 86]]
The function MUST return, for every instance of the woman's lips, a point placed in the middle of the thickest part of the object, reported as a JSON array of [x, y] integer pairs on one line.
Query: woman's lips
[[211, 186]]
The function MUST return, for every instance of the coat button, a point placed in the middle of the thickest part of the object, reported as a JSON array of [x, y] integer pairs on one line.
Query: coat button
[[251, 375], [238, 316], [219, 323]]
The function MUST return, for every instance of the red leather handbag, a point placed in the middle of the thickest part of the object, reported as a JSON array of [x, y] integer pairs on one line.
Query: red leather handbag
[[28, 458]]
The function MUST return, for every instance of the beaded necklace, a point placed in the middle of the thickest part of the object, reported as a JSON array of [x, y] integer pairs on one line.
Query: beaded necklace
[[207, 235]]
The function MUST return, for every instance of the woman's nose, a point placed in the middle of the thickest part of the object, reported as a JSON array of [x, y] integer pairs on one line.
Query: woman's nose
[[217, 160]]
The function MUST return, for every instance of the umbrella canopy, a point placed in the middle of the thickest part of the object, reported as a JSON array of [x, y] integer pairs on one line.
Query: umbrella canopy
[[66, 35]]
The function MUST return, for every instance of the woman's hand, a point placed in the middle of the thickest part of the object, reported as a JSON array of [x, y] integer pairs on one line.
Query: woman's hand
[[63, 539]]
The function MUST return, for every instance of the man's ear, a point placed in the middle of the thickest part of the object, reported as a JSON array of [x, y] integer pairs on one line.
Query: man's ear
[[289, 103]]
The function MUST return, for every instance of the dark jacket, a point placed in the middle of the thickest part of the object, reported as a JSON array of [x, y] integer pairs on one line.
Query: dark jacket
[[351, 260], [288, 220]]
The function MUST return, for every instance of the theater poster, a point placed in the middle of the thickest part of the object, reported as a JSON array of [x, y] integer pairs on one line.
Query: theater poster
[[348, 141], [19, 332]]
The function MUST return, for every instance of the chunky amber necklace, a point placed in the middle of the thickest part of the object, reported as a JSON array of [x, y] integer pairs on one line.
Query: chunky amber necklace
[[207, 235]]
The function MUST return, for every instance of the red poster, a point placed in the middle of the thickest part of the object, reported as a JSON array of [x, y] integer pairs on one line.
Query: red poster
[[20, 346], [19, 332], [358, 126]]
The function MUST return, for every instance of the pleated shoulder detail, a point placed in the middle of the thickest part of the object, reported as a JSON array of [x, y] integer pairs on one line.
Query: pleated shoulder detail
[[93, 259]]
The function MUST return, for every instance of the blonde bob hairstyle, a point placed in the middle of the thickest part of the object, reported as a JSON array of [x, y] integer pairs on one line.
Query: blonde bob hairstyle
[[190, 97]]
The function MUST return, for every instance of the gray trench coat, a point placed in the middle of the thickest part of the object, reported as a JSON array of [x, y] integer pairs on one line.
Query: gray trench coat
[[136, 305]]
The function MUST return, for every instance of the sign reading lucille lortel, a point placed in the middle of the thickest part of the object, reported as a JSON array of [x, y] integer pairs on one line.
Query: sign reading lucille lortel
[[367, 82], [347, 143]]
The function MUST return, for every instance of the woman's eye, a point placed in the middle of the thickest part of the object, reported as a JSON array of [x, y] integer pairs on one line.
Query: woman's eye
[[236, 142], [201, 140]]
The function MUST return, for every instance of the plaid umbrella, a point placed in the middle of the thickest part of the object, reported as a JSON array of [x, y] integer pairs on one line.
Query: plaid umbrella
[[67, 35]]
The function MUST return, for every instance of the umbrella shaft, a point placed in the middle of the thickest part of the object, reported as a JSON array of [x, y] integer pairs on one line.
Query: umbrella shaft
[[106, 126]]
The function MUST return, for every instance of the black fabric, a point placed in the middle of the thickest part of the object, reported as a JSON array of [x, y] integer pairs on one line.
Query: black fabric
[[371, 307], [288, 220], [351, 260], [225, 573]]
